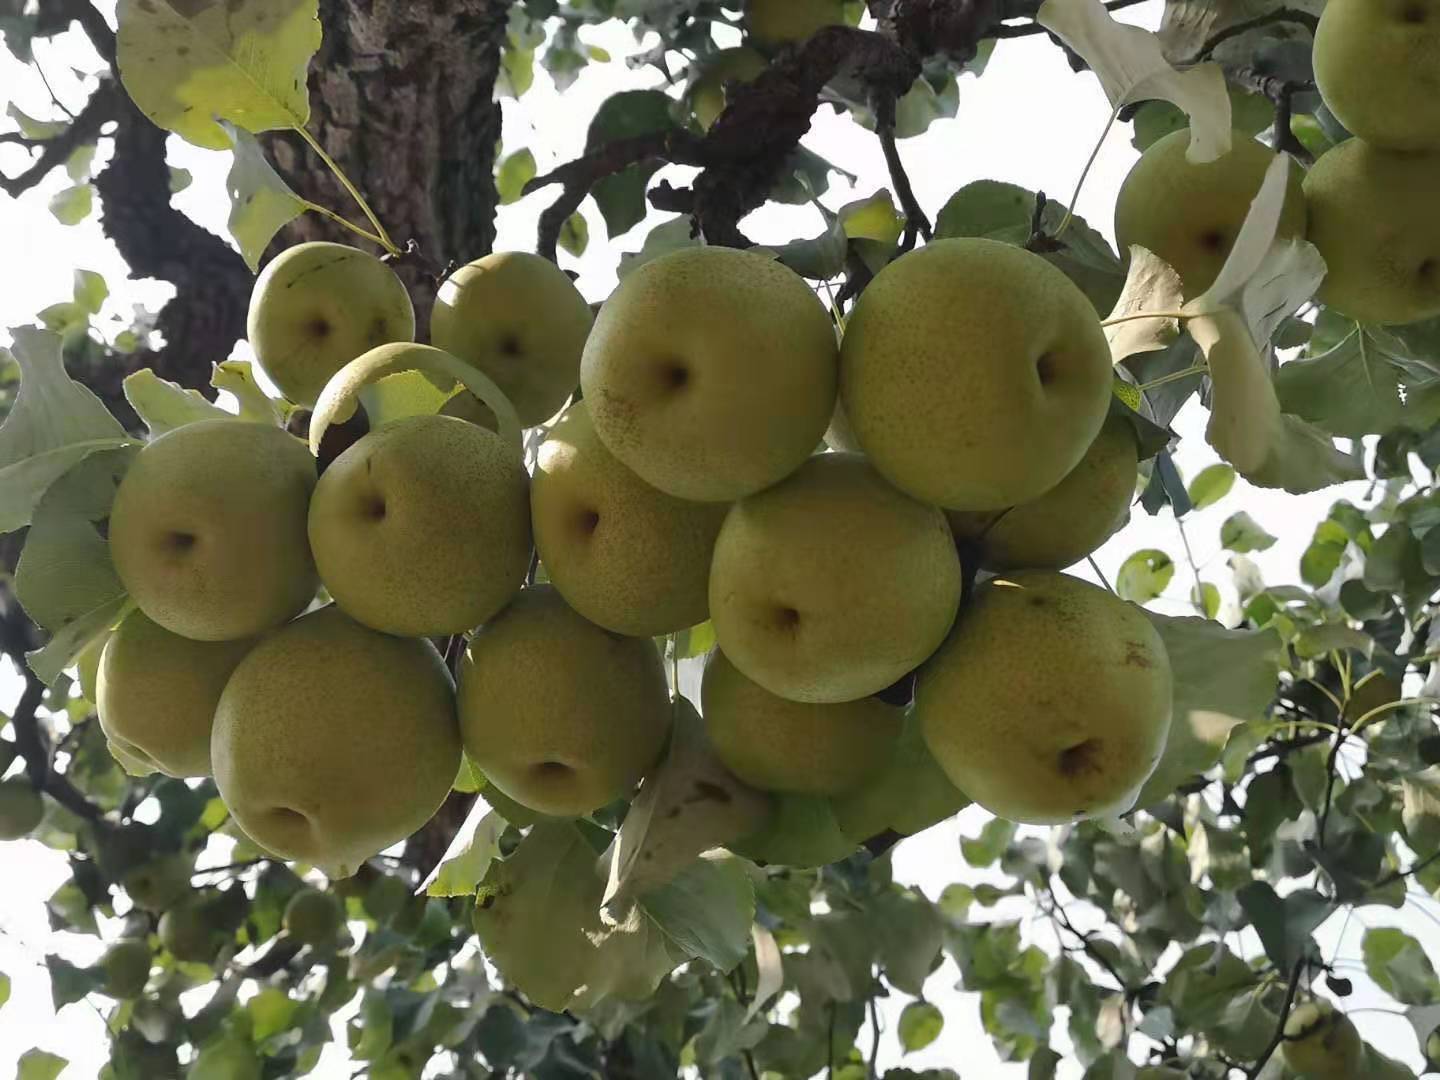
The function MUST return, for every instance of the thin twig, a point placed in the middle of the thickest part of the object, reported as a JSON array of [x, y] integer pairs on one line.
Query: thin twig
[[1401, 875], [915, 219], [874, 1037], [1311, 22], [1279, 1036], [33, 749]]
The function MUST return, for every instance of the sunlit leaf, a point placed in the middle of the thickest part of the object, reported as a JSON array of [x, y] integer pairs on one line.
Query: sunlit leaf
[[261, 203], [73, 204]]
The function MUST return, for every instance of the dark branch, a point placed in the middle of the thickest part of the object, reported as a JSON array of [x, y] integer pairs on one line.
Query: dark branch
[[103, 106], [1401, 875], [33, 748], [915, 219], [1282, 94], [1279, 15], [1279, 1036]]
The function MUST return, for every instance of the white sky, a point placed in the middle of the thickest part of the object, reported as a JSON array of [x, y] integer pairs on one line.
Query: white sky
[[1029, 121]]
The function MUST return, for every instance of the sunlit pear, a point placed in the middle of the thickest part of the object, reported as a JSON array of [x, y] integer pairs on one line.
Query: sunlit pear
[[21, 808], [422, 527], [521, 321], [333, 742], [316, 307], [559, 714], [974, 374], [159, 883], [787, 746], [1377, 65], [908, 794], [711, 372], [780, 22], [1190, 214], [706, 95], [1069, 521], [189, 930], [313, 917], [832, 585], [801, 831], [1050, 702], [1372, 217], [623, 554], [157, 695], [126, 965], [208, 529], [1322, 1043]]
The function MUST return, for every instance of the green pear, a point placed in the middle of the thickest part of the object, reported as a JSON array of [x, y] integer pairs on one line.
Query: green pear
[[787, 746], [728, 67], [1189, 214], [385, 898], [1378, 69], [208, 529], [1069, 521], [1050, 702], [189, 931], [333, 742], [711, 373], [1161, 1072], [316, 307], [623, 554], [1371, 218], [422, 527], [559, 714], [313, 917], [157, 695], [908, 794], [831, 585], [21, 808], [781, 22], [126, 965], [974, 374], [159, 883], [521, 321], [1321, 1043], [801, 831]]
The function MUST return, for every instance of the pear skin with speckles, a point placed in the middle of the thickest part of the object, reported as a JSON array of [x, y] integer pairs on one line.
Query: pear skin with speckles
[[1049, 702]]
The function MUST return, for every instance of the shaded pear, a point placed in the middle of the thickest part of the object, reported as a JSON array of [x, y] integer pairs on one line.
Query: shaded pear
[[189, 931], [801, 831], [159, 883], [706, 94], [126, 965], [781, 22], [1322, 1043], [313, 917], [909, 793]]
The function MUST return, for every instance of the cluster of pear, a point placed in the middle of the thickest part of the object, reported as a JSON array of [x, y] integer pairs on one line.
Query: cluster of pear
[[1366, 203]]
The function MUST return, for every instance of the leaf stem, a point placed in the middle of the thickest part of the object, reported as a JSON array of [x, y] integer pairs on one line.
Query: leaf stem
[[325, 211], [1174, 376], [1084, 174], [1137, 315], [381, 236]]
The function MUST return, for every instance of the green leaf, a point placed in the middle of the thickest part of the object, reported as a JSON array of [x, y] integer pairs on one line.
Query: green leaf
[[271, 1012], [920, 1025], [910, 933], [514, 172], [985, 849], [237, 378], [630, 113], [1322, 558], [1144, 575], [31, 128], [370, 1034], [1211, 484], [261, 203], [1206, 598], [165, 406], [1399, 966], [72, 205], [575, 234], [1363, 385], [668, 236], [77, 165], [707, 910], [460, 874], [1242, 533], [1421, 815], [819, 258], [90, 291], [1285, 926], [40, 1065], [180, 179], [230, 1058], [68, 983], [4, 989], [189, 65]]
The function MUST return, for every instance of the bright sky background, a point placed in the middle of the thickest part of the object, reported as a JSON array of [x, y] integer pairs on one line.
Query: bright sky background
[[1029, 121]]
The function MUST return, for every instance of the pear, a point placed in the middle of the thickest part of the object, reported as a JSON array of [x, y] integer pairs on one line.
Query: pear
[[782, 22], [1371, 217], [126, 965], [189, 931], [208, 529], [786, 746], [422, 527], [21, 808], [157, 693], [1189, 214], [832, 585], [1321, 1043], [711, 373], [1069, 521], [521, 321], [623, 554], [706, 95], [1161, 1072], [974, 374], [333, 742], [313, 917], [562, 716], [908, 794], [801, 831], [1378, 69], [159, 883], [316, 307], [1050, 702]]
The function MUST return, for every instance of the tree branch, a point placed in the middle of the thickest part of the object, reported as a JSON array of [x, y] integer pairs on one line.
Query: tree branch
[[1279, 1036], [915, 219], [1282, 94], [1401, 875], [33, 748], [103, 106], [1279, 15]]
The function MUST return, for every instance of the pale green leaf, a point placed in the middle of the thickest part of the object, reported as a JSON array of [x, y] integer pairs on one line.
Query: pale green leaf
[[462, 870], [271, 1012], [1144, 575], [668, 236], [229, 1058], [190, 64], [1211, 484], [1206, 598], [40, 1065], [514, 172], [1242, 533], [707, 910], [406, 393], [1422, 811], [1151, 284], [50, 662], [31, 128], [73, 204], [180, 179], [575, 234], [1360, 386], [261, 203], [920, 1025], [90, 291], [237, 378], [165, 406], [4, 989], [1399, 965], [77, 165]]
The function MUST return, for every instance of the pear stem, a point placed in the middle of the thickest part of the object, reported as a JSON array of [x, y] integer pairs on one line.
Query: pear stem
[[1174, 376], [381, 236]]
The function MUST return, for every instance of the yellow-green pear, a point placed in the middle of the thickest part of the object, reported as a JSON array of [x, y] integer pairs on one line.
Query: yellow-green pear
[[1050, 702], [559, 714], [1161, 1072], [126, 965], [422, 527], [1189, 214], [208, 529], [189, 931], [788, 746], [21, 808], [623, 554], [333, 741], [801, 831], [157, 695], [1070, 520], [1371, 216], [974, 374], [313, 917], [832, 585], [1322, 1043], [521, 321], [908, 794], [1377, 64], [316, 307], [728, 67], [159, 883], [780, 22], [711, 373]]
